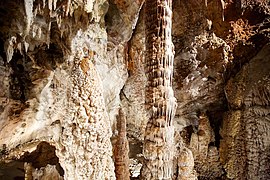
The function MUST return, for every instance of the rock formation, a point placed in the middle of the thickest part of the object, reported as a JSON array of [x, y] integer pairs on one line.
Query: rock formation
[[121, 158], [158, 148], [67, 66]]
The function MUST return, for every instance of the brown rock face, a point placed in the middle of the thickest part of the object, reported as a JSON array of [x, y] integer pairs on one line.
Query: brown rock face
[[245, 132], [67, 66]]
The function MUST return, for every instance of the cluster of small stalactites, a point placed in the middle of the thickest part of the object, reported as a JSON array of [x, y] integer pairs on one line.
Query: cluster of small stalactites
[[39, 16]]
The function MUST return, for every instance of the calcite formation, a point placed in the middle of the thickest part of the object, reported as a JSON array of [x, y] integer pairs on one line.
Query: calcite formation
[[68, 66], [245, 131], [64, 103], [48, 172], [185, 165], [159, 134], [121, 150]]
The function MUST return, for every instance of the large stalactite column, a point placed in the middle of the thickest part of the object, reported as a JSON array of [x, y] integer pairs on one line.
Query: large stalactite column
[[158, 147]]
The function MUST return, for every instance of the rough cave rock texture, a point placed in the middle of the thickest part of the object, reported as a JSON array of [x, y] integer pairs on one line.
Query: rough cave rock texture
[[67, 66]]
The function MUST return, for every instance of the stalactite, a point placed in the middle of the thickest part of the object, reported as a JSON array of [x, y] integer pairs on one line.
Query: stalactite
[[9, 47], [121, 149], [54, 4], [159, 138], [223, 7], [29, 14], [68, 7]]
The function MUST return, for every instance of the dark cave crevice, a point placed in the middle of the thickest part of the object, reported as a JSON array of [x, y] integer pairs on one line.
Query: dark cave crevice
[[54, 56], [186, 133], [20, 84], [2, 50], [216, 119], [43, 155], [13, 170]]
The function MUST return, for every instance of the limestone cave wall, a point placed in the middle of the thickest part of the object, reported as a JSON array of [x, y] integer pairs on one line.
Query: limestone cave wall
[[72, 89]]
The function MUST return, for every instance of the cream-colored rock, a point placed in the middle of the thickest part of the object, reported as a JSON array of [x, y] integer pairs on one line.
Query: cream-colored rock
[[200, 141], [186, 165], [44, 173], [65, 104]]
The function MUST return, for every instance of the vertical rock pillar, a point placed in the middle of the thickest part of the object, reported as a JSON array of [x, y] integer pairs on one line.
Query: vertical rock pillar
[[85, 149], [158, 147], [121, 149]]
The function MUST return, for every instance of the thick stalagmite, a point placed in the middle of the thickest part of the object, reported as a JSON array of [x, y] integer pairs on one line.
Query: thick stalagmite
[[85, 148], [158, 147]]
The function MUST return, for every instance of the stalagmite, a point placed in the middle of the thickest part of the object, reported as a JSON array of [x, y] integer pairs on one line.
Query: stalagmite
[[48, 172], [85, 140], [121, 149], [159, 139]]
